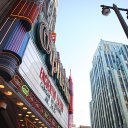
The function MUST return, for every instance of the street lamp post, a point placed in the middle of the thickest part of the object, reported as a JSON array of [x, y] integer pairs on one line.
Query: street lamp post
[[106, 11]]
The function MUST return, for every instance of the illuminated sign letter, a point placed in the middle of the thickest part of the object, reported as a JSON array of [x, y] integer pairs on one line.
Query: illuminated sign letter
[[25, 90]]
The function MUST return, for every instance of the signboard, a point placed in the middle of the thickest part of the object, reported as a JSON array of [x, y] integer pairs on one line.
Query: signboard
[[34, 72], [46, 44], [52, 98], [19, 83]]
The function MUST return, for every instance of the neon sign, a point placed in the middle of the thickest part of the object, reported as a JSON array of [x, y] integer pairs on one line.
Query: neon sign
[[46, 43], [25, 90], [43, 38]]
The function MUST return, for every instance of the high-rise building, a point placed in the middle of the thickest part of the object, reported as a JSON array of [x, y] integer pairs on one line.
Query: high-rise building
[[109, 86], [34, 89]]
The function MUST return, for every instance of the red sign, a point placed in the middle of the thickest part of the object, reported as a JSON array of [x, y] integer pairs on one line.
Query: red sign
[[53, 37], [71, 105], [44, 78]]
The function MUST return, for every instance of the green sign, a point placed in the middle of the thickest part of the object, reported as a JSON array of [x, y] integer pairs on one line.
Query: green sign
[[25, 90]]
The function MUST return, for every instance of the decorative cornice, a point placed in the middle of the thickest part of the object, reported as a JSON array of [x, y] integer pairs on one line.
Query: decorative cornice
[[27, 11], [9, 63]]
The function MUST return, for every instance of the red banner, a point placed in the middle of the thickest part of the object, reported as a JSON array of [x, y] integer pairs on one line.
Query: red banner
[[71, 105]]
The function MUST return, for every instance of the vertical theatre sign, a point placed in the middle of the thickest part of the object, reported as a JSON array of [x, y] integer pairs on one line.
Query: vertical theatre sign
[[46, 42]]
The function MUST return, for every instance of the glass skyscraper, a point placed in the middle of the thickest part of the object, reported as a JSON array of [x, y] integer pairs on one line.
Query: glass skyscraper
[[109, 86]]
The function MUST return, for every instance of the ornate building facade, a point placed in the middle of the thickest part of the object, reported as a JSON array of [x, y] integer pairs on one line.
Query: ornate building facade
[[34, 89]]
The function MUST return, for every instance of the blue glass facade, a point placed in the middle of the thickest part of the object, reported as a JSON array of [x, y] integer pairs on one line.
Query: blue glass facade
[[109, 86]]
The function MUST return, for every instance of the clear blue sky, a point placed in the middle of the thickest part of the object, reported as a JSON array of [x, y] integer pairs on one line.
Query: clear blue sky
[[79, 27]]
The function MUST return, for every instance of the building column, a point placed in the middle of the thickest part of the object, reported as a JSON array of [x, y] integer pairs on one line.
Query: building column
[[6, 122]]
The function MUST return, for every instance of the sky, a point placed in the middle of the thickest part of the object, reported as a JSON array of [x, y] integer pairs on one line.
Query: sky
[[79, 27]]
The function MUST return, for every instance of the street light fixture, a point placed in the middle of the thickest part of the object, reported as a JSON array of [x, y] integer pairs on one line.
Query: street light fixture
[[106, 11]]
